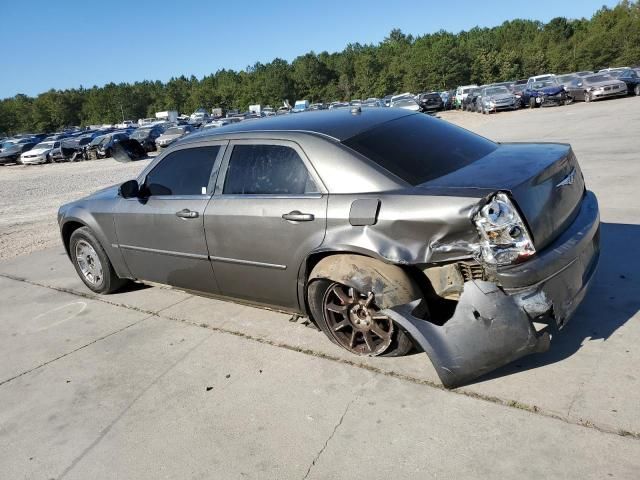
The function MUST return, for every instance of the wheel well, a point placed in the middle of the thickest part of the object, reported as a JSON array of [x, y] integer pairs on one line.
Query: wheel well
[[413, 272], [68, 229], [436, 308]]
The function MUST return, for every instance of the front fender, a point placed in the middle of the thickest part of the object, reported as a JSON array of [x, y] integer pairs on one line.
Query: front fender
[[102, 226]]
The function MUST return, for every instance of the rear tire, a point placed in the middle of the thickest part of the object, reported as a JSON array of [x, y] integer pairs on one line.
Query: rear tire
[[636, 90], [376, 335], [92, 264]]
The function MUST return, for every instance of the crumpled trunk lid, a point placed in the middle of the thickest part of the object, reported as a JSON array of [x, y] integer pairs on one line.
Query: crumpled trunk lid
[[545, 181]]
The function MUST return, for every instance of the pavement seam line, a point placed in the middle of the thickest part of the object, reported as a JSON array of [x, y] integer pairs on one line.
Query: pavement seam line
[[326, 443], [509, 403], [48, 362]]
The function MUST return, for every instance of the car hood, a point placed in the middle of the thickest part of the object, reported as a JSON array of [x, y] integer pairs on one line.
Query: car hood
[[500, 96], [37, 151], [11, 150], [164, 138], [606, 83], [550, 90], [104, 193]]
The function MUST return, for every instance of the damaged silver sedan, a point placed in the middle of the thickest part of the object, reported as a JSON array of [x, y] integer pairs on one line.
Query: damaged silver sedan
[[390, 229]]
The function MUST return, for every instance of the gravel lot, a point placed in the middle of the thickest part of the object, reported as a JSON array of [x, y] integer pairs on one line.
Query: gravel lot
[[31, 195]]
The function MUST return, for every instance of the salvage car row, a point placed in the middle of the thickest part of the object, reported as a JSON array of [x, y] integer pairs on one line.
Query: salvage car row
[[549, 89], [79, 145]]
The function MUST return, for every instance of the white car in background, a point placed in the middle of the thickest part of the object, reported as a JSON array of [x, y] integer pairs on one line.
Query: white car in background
[[172, 134], [406, 101], [39, 153], [461, 94]]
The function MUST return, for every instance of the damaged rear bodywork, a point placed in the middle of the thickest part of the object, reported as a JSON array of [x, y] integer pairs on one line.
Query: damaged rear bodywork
[[477, 312], [471, 318]]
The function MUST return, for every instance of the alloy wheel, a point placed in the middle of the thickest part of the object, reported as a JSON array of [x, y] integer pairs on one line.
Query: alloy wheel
[[355, 322], [89, 262]]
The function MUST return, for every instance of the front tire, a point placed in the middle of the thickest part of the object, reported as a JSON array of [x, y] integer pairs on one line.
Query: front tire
[[636, 90], [92, 264], [587, 97], [353, 321], [532, 102]]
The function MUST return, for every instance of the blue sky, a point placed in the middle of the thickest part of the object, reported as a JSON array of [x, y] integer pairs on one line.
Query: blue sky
[[88, 43]]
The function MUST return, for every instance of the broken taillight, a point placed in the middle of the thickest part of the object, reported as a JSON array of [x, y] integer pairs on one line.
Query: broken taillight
[[504, 238]]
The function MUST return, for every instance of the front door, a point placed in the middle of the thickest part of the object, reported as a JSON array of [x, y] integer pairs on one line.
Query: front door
[[161, 233], [268, 213]]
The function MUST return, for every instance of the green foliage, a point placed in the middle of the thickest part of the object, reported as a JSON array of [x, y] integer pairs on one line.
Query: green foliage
[[442, 60]]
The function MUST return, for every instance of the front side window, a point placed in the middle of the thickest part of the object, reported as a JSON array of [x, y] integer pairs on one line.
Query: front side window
[[267, 170], [183, 172]]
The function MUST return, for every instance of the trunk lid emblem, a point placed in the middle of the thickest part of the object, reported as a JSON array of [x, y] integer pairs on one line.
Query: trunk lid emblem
[[568, 180]]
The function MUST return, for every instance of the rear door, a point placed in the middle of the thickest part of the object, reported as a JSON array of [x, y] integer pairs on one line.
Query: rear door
[[268, 213], [161, 234]]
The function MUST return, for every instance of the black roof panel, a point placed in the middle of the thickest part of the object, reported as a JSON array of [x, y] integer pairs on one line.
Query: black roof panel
[[340, 123]]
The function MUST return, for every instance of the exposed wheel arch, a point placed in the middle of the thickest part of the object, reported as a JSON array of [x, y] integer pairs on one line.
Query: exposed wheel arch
[[391, 284], [67, 230]]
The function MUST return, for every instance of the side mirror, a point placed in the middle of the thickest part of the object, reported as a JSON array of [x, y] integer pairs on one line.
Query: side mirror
[[130, 189]]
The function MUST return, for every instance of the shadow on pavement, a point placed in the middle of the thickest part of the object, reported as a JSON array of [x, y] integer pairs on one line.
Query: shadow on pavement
[[614, 299]]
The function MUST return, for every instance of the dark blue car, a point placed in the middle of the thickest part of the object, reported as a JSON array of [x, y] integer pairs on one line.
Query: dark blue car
[[630, 77], [543, 90]]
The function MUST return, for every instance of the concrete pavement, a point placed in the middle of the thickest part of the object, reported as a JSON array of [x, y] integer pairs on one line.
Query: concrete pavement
[[156, 383]]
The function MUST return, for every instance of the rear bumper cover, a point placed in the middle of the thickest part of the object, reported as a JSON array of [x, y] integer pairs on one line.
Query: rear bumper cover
[[493, 321]]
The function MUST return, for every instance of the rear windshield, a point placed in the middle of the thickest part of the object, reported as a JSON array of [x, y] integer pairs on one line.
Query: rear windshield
[[418, 148]]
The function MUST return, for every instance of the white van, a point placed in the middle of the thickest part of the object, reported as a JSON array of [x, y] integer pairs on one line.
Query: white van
[[462, 92], [301, 106]]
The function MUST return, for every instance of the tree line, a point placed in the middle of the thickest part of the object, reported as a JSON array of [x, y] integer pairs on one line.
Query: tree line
[[401, 62]]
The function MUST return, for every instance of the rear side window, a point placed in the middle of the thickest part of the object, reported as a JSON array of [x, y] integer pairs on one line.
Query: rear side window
[[267, 170], [184, 172], [418, 148]]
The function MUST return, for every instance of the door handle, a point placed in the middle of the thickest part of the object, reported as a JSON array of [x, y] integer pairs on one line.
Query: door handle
[[298, 216], [186, 213]]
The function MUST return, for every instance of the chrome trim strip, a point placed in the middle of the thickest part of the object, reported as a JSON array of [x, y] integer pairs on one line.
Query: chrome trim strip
[[248, 262], [166, 252]]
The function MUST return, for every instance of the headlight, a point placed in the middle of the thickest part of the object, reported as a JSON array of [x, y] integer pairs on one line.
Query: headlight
[[504, 238]]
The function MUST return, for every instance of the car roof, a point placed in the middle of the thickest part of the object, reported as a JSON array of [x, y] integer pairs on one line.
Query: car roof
[[339, 124]]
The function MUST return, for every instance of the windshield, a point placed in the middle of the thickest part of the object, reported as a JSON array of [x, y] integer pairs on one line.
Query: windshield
[[418, 148], [140, 134], [8, 144], [565, 78], [545, 83], [44, 145], [496, 91], [98, 140], [465, 90], [174, 131], [616, 73], [598, 78]]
